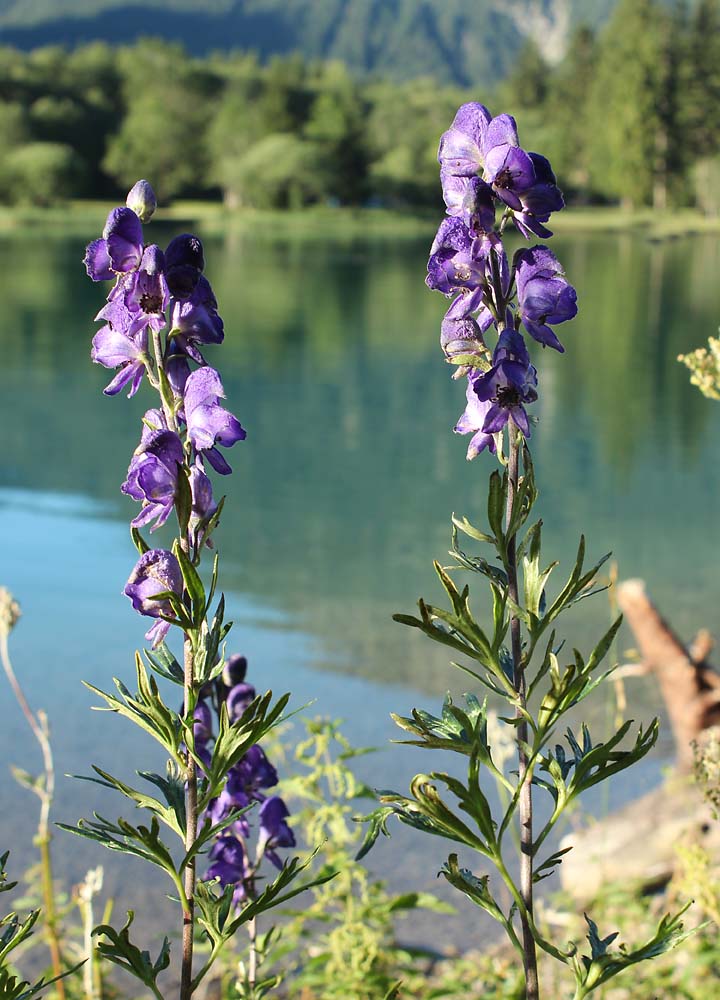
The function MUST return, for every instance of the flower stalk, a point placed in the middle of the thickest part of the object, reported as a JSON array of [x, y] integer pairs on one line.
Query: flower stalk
[[516, 658], [525, 803]]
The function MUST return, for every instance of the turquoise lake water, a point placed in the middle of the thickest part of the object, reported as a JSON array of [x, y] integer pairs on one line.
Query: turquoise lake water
[[343, 490]]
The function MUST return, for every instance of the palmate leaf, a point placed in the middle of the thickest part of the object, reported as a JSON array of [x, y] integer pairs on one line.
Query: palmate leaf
[[602, 964], [117, 947]]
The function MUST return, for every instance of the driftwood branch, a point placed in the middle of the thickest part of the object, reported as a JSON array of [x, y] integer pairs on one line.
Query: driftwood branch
[[637, 844], [688, 683]]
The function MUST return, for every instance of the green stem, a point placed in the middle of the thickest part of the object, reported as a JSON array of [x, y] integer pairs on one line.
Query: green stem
[[532, 988], [191, 815]]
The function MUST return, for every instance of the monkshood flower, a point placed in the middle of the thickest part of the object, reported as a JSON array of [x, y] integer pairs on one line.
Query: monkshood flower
[[195, 320], [479, 146], [274, 831], [469, 199], [153, 476], [120, 249], [208, 423], [115, 349], [156, 572], [203, 505], [461, 262], [473, 420], [544, 295], [461, 149], [146, 296], [508, 385], [230, 865], [184, 262]]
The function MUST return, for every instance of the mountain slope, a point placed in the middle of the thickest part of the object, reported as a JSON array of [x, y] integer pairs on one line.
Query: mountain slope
[[459, 41]]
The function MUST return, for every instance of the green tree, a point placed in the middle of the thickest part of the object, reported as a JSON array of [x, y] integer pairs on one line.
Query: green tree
[[279, 171], [337, 124], [627, 112], [162, 134], [42, 173]]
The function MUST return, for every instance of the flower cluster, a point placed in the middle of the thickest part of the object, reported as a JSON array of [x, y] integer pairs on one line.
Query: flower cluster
[[483, 167], [159, 313], [232, 863]]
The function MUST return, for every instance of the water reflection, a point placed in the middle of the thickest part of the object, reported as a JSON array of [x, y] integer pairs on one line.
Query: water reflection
[[343, 490], [344, 487]]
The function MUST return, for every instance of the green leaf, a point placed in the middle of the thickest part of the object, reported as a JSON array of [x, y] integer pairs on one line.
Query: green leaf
[[141, 841], [603, 964], [193, 585], [146, 709], [497, 500], [473, 887], [163, 662], [464, 525], [183, 500], [116, 947], [378, 825], [139, 542]]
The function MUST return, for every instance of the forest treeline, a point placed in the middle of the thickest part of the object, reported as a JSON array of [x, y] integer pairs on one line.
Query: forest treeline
[[631, 115]]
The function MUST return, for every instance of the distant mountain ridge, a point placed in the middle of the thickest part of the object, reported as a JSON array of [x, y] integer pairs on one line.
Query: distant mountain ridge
[[465, 42]]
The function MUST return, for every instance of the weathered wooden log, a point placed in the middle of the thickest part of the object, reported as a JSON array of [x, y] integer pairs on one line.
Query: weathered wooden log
[[637, 844], [689, 685]]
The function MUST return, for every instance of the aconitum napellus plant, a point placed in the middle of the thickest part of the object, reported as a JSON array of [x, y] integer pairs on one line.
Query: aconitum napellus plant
[[502, 308], [160, 318]]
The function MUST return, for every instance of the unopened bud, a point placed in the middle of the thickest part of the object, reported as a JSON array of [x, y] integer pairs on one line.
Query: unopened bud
[[141, 199], [9, 611]]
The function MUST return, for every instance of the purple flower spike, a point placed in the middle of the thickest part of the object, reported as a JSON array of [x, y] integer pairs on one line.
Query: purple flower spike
[[544, 295], [156, 572], [461, 147], [208, 423], [473, 419], [153, 475], [274, 831]]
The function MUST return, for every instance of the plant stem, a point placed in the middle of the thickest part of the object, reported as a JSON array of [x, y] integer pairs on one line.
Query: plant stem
[[532, 990], [186, 984], [38, 725]]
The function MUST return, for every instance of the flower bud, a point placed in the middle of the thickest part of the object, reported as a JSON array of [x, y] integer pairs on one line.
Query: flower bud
[[9, 611], [141, 199]]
